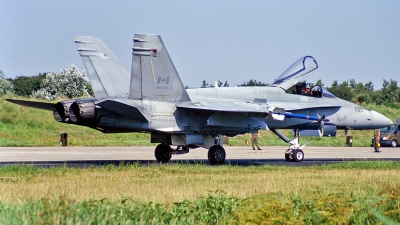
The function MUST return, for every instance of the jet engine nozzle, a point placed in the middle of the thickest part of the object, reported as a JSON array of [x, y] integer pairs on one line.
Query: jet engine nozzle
[[84, 112], [61, 113]]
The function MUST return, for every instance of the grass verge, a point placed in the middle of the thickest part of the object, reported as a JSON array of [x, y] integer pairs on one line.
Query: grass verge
[[354, 192]]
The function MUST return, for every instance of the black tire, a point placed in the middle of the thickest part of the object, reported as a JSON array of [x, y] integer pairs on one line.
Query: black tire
[[289, 157], [163, 153], [393, 143], [298, 155], [216, 155]]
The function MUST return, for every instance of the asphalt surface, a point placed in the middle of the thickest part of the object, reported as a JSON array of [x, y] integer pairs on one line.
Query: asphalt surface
[[236, 155]]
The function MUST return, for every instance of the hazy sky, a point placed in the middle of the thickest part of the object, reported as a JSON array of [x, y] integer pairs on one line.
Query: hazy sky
[[230, 41]]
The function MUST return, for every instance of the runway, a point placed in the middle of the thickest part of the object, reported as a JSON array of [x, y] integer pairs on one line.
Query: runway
[[235, 155]]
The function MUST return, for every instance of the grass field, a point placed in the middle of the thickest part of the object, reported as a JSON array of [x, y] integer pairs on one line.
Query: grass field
[[355, 192]]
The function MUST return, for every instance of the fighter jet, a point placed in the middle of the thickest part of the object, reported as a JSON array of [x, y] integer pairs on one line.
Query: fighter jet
[[152, 99]]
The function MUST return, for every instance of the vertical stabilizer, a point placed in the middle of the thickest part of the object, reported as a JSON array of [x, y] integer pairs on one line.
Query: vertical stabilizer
[[108, 76], [153, 75]]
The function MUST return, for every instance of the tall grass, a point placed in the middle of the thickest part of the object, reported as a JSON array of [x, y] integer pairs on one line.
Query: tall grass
[[356, 193], [170, 183], [212, 209]]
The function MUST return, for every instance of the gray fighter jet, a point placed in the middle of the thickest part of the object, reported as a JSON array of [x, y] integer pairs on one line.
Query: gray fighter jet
[[152, 99]]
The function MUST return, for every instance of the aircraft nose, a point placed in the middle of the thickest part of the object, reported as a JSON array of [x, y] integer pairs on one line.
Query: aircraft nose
[[379, 120]]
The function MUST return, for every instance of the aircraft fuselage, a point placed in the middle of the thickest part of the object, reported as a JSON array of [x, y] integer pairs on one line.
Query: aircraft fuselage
[[166, 117]]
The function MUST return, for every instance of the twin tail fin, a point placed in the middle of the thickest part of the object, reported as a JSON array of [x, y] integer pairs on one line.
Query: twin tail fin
[[153, 75], [108, 76]]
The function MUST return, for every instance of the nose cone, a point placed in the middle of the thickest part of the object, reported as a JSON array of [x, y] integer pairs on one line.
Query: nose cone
[[379, 121]]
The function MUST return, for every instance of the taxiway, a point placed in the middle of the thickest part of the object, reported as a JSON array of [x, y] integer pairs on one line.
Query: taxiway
[[240, 155]]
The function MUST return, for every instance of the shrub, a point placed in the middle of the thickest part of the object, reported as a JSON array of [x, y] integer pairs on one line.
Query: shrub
[[70, 83], [6, 86]]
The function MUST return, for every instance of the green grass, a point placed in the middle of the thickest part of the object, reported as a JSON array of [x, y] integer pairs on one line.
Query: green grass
[[215, 208], [345, 193], [183, 168]]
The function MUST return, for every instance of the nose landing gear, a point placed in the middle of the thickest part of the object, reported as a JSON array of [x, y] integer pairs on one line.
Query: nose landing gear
[[294, 152], [294, 155]]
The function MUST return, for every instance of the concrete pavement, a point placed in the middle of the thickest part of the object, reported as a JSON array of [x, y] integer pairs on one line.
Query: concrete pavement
[[242, 155]]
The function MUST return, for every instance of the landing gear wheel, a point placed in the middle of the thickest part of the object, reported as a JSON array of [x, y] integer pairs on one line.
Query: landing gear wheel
[[216, 155], [298, 155], [163, 153], [289, 157], [393, 143]]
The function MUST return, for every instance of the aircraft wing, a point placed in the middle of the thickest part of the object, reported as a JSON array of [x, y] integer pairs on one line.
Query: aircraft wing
[[230, 114], [240, 107], [277, 112], [32, 104], [244, 107], [290, 106]]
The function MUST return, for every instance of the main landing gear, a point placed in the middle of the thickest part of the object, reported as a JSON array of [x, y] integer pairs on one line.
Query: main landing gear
[[294, 152], [163, 153], [216, 153]]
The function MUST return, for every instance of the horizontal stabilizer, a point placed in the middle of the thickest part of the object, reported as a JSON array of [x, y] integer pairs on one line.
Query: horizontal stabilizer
[[123, 109], [37, 105]]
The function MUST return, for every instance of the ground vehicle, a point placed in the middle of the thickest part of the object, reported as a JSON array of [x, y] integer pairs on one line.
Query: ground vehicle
[[390, 136]]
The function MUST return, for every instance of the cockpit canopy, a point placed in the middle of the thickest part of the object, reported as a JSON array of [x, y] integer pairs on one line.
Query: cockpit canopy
[[296, 73], [293, 79]]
